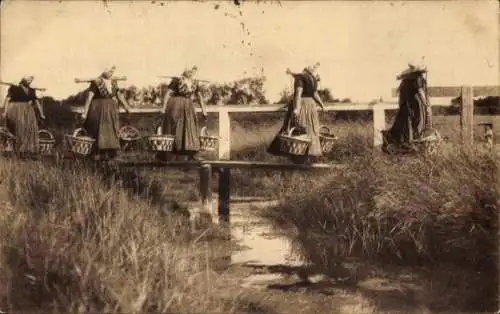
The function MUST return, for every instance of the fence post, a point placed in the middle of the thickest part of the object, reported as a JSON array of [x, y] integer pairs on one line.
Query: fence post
[[378, 126], [206, 187], [224, 135], [467, 115], [224, 194], [224, 173]]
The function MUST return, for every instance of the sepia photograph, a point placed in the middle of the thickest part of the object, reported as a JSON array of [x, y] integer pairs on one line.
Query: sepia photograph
[[249, 156]]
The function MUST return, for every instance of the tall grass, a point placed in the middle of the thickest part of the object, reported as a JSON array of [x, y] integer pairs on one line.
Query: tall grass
[[409, 211], [71, 243]]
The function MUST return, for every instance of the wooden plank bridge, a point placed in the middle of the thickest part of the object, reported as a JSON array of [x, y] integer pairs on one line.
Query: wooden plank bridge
[[206, 169]]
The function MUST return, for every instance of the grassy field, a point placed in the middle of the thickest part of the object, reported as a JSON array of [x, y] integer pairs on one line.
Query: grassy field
[[72, 240]]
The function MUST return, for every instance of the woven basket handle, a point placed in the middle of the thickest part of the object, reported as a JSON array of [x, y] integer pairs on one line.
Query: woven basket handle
[[79, 131], [290, 131], [324, 127], [46, 132]]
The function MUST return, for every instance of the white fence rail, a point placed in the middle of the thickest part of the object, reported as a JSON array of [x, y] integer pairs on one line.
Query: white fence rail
[[224, 150]]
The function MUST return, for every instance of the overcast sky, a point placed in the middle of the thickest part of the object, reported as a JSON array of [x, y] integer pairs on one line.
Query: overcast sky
[[361, 45]]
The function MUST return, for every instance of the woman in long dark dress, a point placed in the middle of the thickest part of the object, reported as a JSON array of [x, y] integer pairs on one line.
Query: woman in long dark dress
[[179, 118], [302, 114], [101, 115], [414, 114], [20, 116]]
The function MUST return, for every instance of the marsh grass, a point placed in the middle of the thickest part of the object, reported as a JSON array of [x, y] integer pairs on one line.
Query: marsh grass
[[413, 212], [71, 243]]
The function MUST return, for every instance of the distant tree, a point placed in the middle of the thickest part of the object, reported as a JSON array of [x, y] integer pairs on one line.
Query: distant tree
[[76, 100], [248, 91], [285, 96], [220, 94], [482, 106], [487, 106], [326, 95], [241, 92]]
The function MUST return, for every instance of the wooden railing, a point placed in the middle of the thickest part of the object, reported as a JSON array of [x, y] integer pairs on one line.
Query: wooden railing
[[439, 96], [224, 126]]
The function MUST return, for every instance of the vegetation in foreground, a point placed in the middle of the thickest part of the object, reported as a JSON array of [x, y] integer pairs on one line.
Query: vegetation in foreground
[[439, 213], [71, 242]]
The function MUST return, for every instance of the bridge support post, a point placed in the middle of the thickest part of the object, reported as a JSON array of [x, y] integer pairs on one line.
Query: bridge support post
[[205, 171], [224, 194]]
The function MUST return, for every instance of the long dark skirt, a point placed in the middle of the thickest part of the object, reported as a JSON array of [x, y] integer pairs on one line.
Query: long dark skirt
[[306, 122], [408, 124], [180, 120], [103, 124], [21, 121]]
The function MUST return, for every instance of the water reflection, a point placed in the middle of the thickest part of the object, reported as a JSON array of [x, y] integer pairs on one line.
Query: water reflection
[[248, 239], [255, 241]]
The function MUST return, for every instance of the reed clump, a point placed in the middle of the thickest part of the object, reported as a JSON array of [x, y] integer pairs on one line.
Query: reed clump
[[73, 243], [407, 211]]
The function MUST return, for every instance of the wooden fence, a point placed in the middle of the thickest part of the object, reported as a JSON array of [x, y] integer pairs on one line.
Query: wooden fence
[[437, 96]]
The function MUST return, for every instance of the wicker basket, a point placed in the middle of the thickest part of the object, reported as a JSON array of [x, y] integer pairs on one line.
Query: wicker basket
[[430, 141], [161, 142], [294, 145], [7, 140], [128, 136], [208, 143], [327, 139], [79, 143], [46, 142], [429, 135]]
